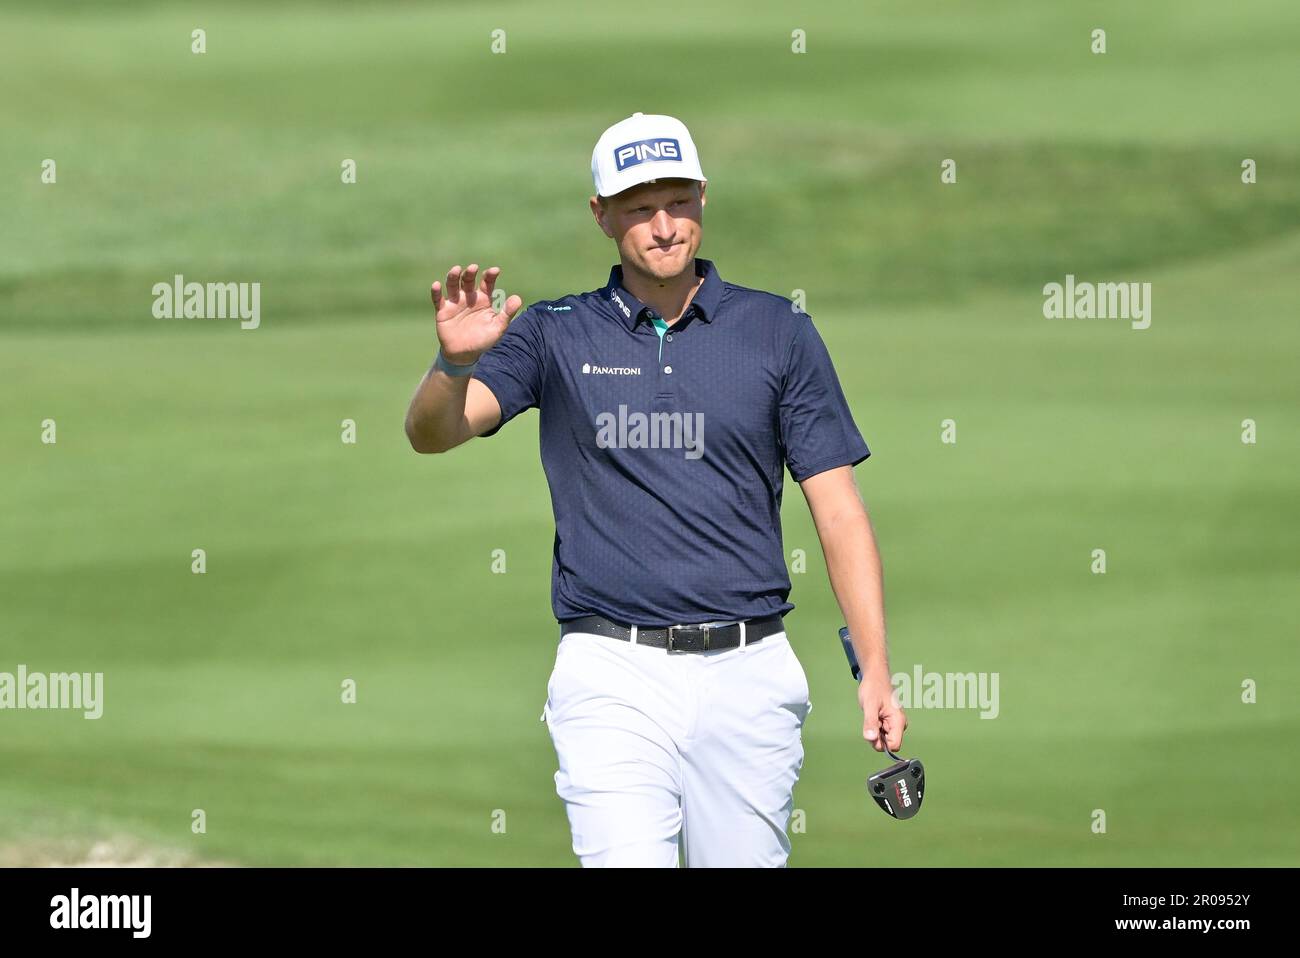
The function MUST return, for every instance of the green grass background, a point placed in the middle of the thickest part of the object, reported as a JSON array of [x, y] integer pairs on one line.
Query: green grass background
[[327, 561]]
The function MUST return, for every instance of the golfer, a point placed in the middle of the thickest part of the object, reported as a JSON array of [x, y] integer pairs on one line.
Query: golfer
[[671, 403]]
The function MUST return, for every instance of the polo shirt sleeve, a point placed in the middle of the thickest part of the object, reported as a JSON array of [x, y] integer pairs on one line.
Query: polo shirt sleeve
[[515, 367], [817, 428]]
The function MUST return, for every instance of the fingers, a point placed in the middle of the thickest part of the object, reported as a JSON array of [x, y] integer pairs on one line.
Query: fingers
[[469, 285], [462, 286], [490, 280], [892, 726], [892, 735], [883, 726], [511, 308]]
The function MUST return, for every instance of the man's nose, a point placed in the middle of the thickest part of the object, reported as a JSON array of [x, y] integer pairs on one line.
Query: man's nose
[[663, 225]]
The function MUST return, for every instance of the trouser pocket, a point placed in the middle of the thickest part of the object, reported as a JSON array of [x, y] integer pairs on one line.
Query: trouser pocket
[[562, 654]]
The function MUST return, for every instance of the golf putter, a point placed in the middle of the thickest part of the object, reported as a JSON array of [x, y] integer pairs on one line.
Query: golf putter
[[898, 790]]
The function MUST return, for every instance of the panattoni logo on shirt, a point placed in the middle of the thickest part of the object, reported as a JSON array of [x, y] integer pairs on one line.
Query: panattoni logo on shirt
[[589, 370]]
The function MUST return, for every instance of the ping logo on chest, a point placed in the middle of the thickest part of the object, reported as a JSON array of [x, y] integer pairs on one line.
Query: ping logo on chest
[[631, 154]]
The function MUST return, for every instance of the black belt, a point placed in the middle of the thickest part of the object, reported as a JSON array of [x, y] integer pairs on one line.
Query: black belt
[[705, 637]]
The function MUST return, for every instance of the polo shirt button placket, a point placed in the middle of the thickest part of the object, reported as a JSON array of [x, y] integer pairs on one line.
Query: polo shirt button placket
[[661, 329]]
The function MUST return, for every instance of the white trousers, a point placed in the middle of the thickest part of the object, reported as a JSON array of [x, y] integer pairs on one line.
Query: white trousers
[[659, 751]]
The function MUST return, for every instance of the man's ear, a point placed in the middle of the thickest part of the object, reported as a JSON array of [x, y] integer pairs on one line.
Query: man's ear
[[598, 211]]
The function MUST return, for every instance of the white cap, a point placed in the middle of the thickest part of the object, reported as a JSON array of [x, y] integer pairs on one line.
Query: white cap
[[644, 147]]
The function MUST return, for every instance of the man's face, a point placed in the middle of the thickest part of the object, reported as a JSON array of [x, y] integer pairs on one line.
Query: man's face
[[657, 225]]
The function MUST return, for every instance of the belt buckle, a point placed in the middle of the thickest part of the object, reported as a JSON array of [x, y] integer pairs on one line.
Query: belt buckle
[[706, 628]]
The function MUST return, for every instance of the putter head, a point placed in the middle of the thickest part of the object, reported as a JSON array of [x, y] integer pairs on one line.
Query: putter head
[[898, 790]]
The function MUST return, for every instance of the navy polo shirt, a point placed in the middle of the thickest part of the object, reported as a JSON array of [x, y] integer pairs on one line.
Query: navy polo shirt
[[665, 447]]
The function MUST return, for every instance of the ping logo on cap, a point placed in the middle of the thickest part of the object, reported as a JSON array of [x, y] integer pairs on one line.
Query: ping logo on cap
[[631, 154]]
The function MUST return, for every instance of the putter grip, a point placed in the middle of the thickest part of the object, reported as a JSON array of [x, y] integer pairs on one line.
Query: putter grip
[[848, 650]]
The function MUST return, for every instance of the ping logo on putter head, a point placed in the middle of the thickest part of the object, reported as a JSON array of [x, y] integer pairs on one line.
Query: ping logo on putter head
[[903, 782]]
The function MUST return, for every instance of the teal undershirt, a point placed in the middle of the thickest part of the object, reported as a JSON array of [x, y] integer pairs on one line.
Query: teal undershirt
[[661, 327]]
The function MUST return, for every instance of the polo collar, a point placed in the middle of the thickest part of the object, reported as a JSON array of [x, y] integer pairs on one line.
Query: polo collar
[[632, 311]]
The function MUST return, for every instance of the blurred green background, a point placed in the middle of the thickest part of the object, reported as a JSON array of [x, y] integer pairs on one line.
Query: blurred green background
[[328, 561]]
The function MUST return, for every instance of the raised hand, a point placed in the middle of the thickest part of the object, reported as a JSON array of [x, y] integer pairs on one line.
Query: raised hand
[[467, 324]]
